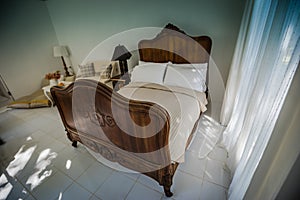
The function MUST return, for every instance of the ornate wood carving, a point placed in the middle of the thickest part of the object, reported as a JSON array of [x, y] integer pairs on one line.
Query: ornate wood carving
[[102, 119], [174, 28], [174, 45]]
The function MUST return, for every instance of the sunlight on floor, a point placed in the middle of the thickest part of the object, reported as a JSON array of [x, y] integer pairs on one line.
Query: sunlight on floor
[[206, 137], [68, 164], [40, 173], [17, 165], [21, 159], [38, 162]]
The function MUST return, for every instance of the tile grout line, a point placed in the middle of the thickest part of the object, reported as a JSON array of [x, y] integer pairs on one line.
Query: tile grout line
[[147, 186], [130, 189], [136, 181], [216, 184], [98, 188]]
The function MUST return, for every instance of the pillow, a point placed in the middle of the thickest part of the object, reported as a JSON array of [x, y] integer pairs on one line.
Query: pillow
[[149, 72], [192, 76], [87, 70], [145, 62]]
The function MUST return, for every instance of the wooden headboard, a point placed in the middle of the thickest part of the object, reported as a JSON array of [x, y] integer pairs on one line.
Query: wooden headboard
[[173, 44]]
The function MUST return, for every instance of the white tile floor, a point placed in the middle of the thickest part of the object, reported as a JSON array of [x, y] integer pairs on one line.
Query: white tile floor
[[38, 162]]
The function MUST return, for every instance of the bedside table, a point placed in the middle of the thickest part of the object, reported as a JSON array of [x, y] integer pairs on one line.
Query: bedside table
[[47, 93], [119, 81], [46, 90]]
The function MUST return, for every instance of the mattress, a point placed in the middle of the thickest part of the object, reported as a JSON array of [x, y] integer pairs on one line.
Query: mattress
[[183, 105]]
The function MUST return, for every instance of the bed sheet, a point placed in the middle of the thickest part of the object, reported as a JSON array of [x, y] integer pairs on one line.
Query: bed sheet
[[183, 105]]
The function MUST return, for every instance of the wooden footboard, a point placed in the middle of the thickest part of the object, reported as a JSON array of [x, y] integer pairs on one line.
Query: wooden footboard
[[133, 133]]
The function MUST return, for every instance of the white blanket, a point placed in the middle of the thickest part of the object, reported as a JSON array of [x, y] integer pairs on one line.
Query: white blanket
[[183, 105]]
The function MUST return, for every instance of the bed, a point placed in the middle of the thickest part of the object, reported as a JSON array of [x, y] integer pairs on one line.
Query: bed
[[146, 125]]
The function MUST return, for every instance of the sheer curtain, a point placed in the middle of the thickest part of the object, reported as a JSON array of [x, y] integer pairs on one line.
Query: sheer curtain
[[266, 57]]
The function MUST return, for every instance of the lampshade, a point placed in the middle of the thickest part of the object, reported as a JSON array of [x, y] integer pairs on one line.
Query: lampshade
[[121, 53], [60, 51]]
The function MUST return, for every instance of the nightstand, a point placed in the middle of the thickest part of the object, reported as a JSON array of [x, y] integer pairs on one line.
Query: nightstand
[[47, 93], [46, 90], [119, 81]]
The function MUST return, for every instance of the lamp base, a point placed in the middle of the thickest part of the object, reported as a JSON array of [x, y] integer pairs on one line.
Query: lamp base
[[65, 66], [66, 71]]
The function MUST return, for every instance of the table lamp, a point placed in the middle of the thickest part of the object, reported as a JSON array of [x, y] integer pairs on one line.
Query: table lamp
[[122, 55], [61, 51]]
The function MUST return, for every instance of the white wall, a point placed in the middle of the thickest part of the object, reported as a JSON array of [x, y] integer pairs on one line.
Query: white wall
[[26, 37], [83, 24], [282, 150], [28, 33]]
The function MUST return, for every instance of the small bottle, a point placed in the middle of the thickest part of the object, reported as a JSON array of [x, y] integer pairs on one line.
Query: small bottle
[[61, 78]]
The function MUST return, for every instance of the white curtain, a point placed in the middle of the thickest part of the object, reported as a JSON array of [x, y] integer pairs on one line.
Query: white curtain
[[266, 57]]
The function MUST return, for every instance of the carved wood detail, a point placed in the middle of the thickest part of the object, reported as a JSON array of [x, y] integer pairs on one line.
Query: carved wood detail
[[102, 119]]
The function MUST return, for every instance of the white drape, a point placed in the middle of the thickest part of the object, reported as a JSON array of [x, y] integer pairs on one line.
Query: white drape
[[266, 57]]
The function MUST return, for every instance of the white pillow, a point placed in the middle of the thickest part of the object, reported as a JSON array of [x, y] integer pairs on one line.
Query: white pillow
[[192, 76], [149, 72], [144, 62]]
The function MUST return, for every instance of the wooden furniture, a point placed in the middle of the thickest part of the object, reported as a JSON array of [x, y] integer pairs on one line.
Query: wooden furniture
[[119, 81], [47, 88], [88, 111]]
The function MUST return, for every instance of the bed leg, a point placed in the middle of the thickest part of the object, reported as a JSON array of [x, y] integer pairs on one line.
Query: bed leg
[[167, 185], [168, 192], [74, 144]]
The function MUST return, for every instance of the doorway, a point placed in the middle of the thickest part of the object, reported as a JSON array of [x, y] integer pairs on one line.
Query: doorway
[[5, 95]]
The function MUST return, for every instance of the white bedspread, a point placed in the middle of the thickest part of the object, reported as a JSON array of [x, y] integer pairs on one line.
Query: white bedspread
[[183, 105]]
